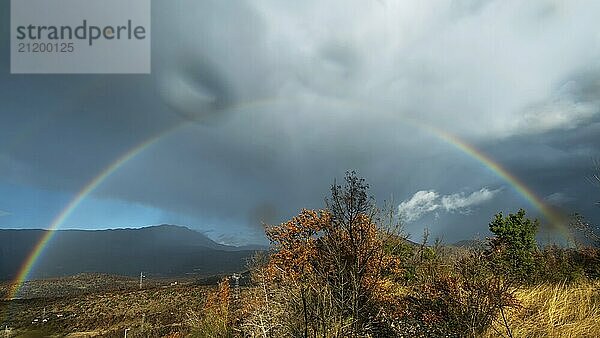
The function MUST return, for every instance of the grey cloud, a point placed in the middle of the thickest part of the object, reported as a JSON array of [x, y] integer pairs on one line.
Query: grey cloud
[[304, 91], [196, 90], [559, 198]]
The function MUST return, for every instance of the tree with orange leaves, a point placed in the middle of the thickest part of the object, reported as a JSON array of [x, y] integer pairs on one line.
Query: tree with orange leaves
[[339, 252]]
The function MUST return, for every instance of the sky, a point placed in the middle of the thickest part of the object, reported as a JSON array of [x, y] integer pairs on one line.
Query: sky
[[253, 108]]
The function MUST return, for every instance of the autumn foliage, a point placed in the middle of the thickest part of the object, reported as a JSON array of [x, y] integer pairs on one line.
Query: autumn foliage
[[348, 271], [296, 245], [336, 261]]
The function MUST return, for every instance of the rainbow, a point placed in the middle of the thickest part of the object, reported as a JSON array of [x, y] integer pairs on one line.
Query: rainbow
[[555, 218], [29, 264], [442, 135]]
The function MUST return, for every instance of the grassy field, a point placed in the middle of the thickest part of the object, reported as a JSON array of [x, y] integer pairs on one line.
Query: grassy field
[[554, 311], [171, 311]]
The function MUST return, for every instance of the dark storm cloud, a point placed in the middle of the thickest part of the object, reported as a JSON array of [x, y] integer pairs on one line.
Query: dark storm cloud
[[277, 99], [68, 134]]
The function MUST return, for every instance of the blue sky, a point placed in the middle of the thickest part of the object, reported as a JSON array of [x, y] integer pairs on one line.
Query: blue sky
[[34, 208]]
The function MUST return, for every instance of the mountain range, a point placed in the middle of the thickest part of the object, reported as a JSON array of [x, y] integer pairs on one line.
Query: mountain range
[[162, 250]]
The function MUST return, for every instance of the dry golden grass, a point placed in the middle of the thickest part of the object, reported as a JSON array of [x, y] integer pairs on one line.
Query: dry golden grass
[[554, 311]]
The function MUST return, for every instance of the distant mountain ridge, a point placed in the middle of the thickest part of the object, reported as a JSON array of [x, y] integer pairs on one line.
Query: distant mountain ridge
[[154, 250]]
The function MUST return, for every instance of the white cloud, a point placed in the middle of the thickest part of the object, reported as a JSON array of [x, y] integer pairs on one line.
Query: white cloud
[[426, 201], [4, 213], [422, 202], [461, 202]]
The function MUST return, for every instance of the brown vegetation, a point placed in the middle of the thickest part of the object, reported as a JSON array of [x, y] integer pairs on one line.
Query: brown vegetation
[[348, 271], [152, 311]]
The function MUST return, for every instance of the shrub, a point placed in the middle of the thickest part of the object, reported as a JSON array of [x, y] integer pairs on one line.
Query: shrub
[[215, 320], [513, 248], [337, 263], [557, 264], [463, 303]]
